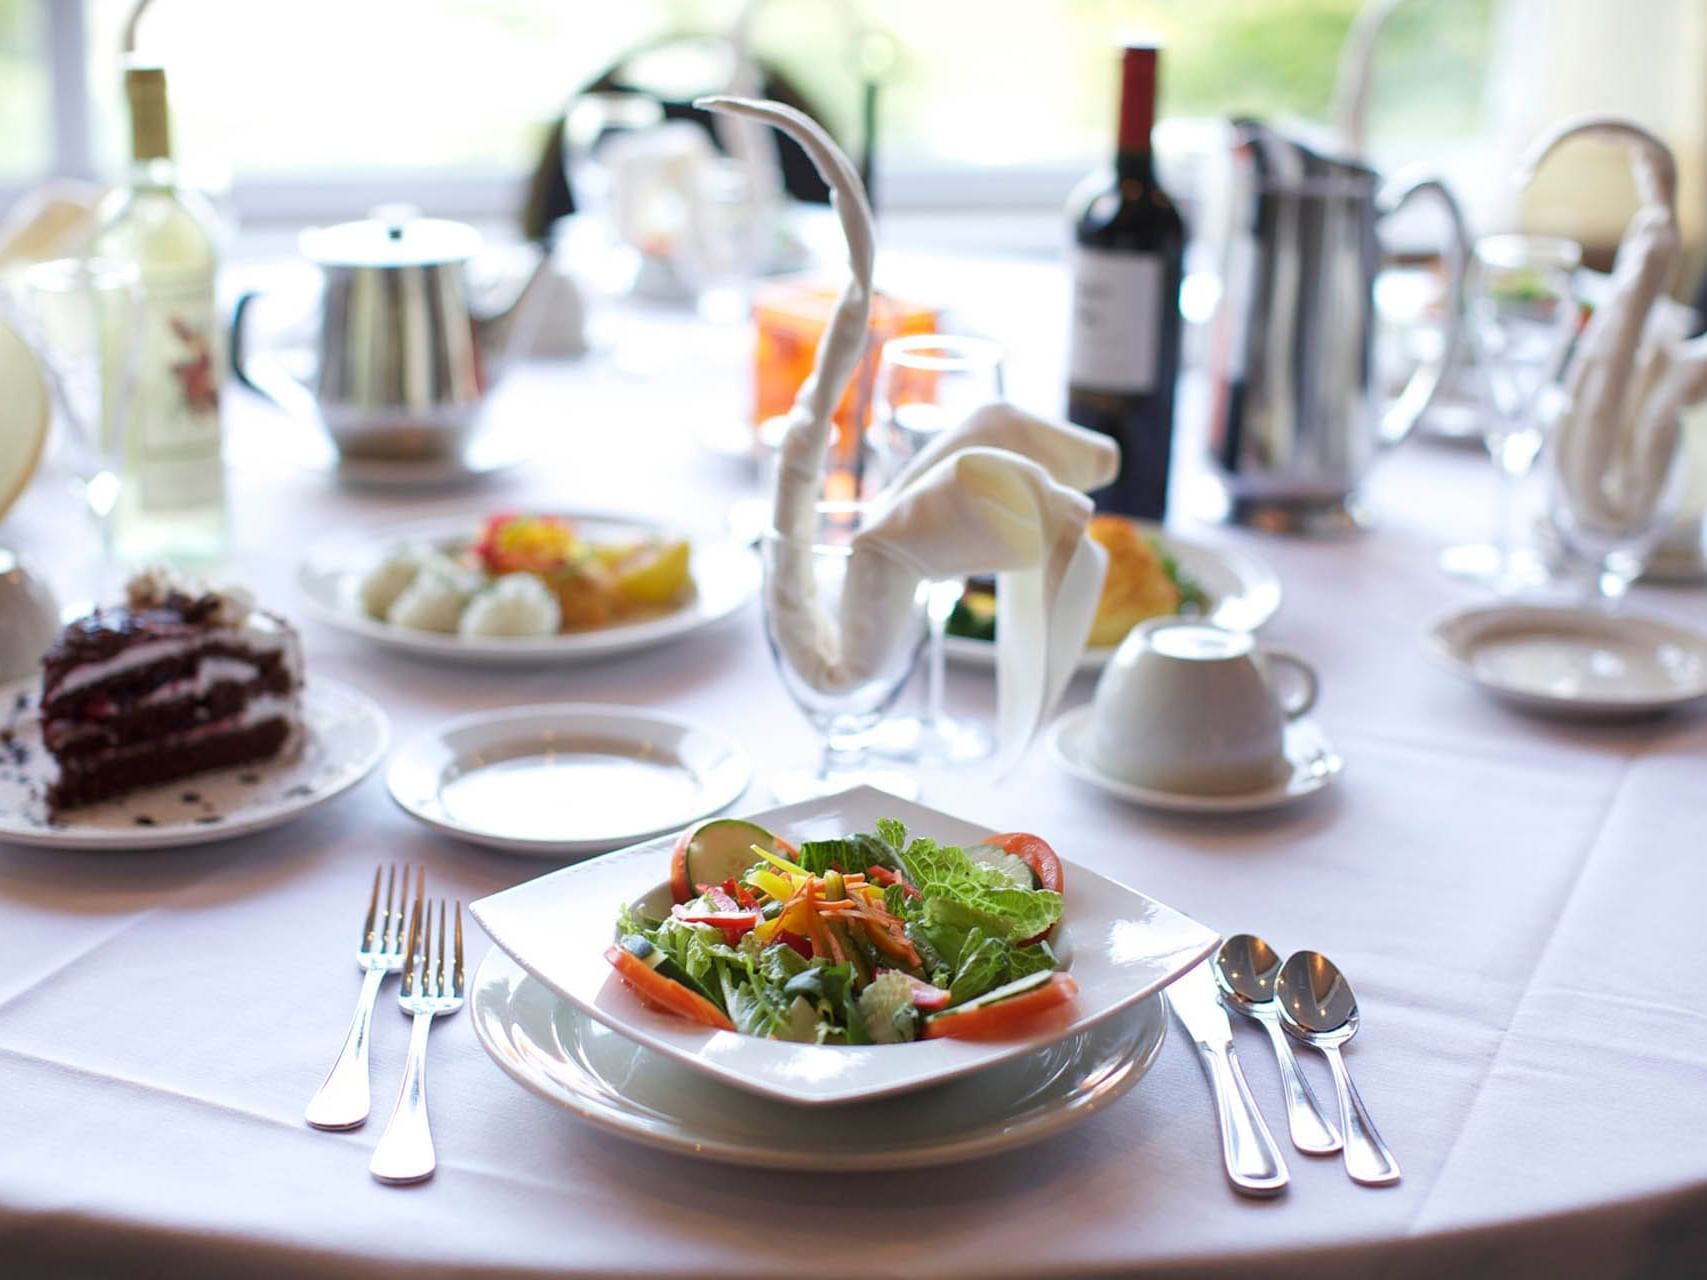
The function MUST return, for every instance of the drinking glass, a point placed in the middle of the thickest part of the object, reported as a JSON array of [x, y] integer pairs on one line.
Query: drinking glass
[[844, 718], [1523, 314], [82, 317], [925, 384], [1608, 525]]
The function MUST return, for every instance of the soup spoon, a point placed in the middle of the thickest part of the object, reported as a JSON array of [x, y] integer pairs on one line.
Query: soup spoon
[[1317, 1006], [1245, 970]]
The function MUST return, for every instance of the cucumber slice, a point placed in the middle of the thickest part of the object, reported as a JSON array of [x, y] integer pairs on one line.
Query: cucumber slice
[[653, 957], [1015, 869], [715, 851], [1018, 987]]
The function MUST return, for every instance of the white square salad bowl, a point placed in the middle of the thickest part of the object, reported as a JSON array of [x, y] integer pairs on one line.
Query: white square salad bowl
[[1120, 947]]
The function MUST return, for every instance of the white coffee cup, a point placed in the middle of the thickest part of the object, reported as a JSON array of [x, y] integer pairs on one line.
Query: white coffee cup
[[1192, 708]]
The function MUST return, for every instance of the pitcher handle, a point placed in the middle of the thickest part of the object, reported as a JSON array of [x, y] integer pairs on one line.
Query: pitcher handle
[[1419, 391], [261, 373]]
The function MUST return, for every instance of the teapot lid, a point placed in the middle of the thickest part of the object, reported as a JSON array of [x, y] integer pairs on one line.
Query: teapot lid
[[391, 236]]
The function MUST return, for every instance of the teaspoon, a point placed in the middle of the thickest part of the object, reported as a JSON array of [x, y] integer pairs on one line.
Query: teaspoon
[[1245, 970], [1317, 1006]]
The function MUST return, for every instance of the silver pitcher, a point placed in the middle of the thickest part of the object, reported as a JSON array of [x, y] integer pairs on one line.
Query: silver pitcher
[[1295, 413], [404, 362]]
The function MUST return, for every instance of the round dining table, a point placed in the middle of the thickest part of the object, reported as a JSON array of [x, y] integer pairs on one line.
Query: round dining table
[[1518, 901]]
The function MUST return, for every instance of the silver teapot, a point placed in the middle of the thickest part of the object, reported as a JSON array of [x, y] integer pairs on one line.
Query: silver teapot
[[404, 362], [1295, 413]]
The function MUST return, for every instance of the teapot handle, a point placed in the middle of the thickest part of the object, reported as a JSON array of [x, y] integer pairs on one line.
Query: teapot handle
[[1419, 391], [264, 375]]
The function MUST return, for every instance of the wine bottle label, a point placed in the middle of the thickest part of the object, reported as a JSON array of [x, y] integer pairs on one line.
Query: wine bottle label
[[173, 442], [1116, 320]]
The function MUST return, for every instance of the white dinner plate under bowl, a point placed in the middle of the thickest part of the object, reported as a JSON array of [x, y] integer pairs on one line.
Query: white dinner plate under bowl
[[567, 1058], [1575, 662], [575, 778], [347, 736], [726, 576], [1120, 946], [1243, 591], [1312, 764]]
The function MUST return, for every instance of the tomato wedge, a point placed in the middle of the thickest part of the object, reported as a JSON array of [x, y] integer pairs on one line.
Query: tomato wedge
[[663, 993], [1035, 852], [926, 997], [1004, 1018]]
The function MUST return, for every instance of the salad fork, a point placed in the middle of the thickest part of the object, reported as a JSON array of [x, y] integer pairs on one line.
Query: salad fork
[[341, 1102], [405, 1152]]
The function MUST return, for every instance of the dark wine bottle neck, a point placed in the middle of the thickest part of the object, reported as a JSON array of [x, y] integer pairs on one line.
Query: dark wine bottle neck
[[1134, 166]]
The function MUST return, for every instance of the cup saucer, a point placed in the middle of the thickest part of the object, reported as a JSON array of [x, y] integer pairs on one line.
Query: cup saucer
[[1312, 759]]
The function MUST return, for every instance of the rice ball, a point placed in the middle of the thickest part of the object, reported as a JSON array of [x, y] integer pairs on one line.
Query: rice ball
[[518, 604], [381, 585], [435, 597]]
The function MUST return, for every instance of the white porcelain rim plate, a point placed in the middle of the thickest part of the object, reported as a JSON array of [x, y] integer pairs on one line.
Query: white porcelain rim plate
[[1315, 765], [345, 726], [420, 769], [1124, 946], [1247, 596], [24, 417], [516, 1019], [1456, 639], [727, 577]]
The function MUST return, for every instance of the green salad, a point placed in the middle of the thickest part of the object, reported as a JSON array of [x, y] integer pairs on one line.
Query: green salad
[[871, 938]]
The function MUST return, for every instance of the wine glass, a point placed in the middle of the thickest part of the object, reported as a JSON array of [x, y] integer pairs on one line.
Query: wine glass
[[1608, 520], [925, 384], [844, 717], [1523, 314], [82, 317]]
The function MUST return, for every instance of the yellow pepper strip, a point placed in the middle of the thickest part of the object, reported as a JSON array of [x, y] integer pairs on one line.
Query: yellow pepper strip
[[780, 862], [773, 885]]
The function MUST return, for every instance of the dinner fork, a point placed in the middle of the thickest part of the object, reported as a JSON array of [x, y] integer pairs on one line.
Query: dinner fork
[[341, 1102], [405, 1152]]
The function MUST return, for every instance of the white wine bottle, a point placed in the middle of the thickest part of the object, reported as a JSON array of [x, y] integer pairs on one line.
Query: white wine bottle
[[171, 501]]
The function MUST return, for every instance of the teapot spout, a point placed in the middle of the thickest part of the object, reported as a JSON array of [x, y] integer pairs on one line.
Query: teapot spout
[[505, 333]]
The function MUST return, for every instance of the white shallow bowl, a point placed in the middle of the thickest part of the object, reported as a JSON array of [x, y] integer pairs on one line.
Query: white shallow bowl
[[1244, 593], [550, 1047], [347, 735], [726, 576], [574, 778], [1312, 764], [1122, 947], [1574, 662]]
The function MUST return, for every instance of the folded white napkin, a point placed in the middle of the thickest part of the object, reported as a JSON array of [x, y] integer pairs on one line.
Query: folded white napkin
[[1632, 371], [998, 494]]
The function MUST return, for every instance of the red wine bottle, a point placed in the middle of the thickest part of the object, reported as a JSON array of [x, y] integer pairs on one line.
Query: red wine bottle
[[1128, 255]]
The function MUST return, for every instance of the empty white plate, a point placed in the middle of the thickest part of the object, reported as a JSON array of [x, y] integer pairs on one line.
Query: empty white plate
[[1574, 662], [567, 1058], [1312, 759], [574, 778]]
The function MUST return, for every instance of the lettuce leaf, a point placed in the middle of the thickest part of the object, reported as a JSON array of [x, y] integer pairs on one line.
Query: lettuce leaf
[[957, 890]]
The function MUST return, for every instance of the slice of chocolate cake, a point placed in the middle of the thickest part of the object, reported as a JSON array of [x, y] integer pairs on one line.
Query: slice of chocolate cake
[[176, 681]]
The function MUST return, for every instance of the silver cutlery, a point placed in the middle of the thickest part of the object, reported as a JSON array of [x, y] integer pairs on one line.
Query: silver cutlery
[[1317, 1006], [341, 1101], [430, 990], [1253, 1162], [1245, 970]]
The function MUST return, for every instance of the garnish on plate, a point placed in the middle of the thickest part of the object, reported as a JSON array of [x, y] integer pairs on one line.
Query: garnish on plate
[[873, 938]]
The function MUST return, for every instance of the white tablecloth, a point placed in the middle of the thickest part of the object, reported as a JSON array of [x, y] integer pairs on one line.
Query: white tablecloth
[[1517, 901]]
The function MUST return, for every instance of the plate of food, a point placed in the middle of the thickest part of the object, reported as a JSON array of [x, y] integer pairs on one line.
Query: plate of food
[[525, 588], [842, 949], [551, 1048], [178, 717], [1151, 574]]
